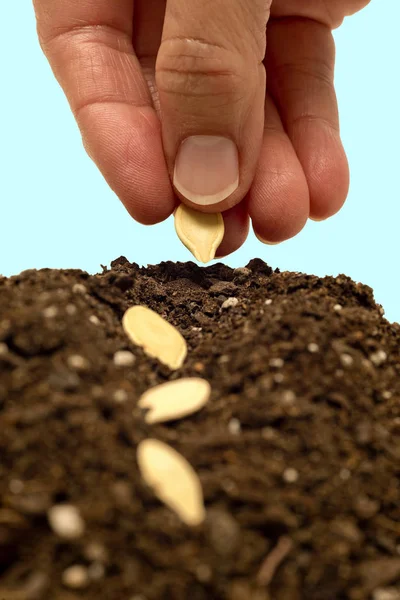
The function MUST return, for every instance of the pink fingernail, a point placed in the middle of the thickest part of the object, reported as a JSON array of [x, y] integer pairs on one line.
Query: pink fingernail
[[206, 169]]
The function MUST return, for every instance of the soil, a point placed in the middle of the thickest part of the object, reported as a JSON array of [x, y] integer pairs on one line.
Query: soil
[[298, 451]]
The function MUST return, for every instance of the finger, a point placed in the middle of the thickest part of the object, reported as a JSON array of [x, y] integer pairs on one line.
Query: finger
[[279, 198], [89, 46], [330, 14], [236, 221], [300, 66], [211, 83]]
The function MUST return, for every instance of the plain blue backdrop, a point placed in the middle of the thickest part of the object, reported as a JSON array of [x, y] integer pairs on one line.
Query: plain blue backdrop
[[57, 211]]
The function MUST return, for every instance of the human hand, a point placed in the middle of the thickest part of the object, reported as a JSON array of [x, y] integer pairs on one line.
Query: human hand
[[141, 78]]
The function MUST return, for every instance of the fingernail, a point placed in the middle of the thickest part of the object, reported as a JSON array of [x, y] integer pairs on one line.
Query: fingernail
[[260, 239], [206, 169]]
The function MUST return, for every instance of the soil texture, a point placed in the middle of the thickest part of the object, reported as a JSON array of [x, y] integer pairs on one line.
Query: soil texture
[[298, 450]]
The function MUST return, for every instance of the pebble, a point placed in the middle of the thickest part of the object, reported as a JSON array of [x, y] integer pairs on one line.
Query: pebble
[[79, 288], [50, 312], [313, 348], [124, 358], [76, 577], [94, 320], [276, 363], [71, 309], [3, 349], [120, 396], [66, 521], [78, 362], [346, 359], [229, 303], [268, 301], [234, 426], [378, 357], [337, 307], [290, 475], [387, 394], [197, 328]]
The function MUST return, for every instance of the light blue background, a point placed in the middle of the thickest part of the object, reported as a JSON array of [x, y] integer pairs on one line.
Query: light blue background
[[57, 211]]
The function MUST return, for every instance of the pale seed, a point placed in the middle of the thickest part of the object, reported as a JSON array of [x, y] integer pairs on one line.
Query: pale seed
[[172, 479], [155, 335], [175, 399], [201, 233]]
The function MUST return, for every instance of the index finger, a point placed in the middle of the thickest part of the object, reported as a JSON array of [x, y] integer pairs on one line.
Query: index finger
[[89, 46]]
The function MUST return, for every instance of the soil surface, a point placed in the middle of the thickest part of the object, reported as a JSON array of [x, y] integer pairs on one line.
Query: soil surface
[[298, 451]]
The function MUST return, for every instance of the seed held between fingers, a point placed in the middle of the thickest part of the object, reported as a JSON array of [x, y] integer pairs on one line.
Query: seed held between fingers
[[173, 480], [175, 399], [201, 233], [158, 338]]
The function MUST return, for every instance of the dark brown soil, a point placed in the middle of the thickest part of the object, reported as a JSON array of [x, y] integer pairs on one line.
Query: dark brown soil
[[299, 458]]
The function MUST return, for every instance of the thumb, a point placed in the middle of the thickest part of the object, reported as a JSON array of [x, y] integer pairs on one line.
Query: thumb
[[211, 82]]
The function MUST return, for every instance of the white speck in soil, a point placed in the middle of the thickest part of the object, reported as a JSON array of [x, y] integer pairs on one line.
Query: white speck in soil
[[346, 359], [345, 474], [78, 362], [337, 307], [79, 288], [313, 348], [276, 363], [229, 303], [387, 394], [124, 358], [234, 426], [120, 396], [66, 521], [268, 301], [288, 397], [75, 577], [94, 320], [290, 475], [50, 312], [378, 357], [71, 309]]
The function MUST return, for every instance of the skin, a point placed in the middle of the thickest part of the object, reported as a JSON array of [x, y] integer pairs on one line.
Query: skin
[[257, 71]]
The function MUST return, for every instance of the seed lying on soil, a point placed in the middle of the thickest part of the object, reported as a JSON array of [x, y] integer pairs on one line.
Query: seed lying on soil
[[172, 479], [175, 399], [155, 335], [201, 233]]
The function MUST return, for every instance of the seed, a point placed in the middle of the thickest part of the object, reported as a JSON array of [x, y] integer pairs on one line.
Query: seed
[[201, 233], [66, 521], [172, 479], [155, 335], [175, 399]]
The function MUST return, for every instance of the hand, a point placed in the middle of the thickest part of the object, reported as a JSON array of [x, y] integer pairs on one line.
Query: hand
[[145, 80]]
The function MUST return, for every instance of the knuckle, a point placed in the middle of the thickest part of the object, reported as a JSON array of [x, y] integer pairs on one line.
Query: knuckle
[[196, 68]]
